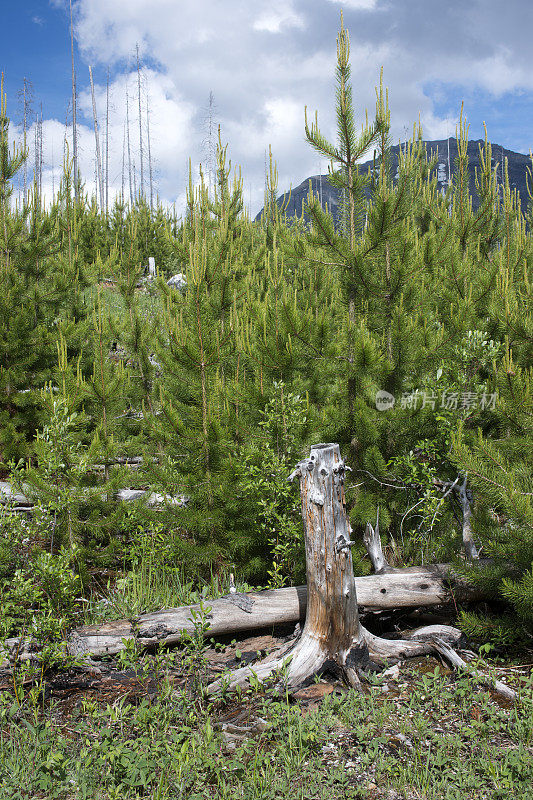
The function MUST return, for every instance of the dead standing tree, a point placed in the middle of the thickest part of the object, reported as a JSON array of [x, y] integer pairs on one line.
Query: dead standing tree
[[333, 638]]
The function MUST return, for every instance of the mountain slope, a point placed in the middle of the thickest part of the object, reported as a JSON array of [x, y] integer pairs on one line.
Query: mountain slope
[[446, 149]]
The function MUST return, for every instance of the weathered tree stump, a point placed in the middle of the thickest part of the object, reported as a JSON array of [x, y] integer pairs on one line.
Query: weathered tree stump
[[333, 637], [332, 633]]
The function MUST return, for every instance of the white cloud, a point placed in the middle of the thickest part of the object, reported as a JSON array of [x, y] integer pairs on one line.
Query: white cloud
[[171, 129], [279, 15], [357, 5], [500, 73]]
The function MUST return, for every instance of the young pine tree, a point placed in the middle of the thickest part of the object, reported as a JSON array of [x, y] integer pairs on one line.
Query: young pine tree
[[376, 254], [39, 287], [196, 350]]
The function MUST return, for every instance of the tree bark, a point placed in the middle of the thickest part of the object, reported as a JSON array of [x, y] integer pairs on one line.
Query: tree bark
[[413, 587], [468, 538], [372, 542], [333, 637], [332, 632]]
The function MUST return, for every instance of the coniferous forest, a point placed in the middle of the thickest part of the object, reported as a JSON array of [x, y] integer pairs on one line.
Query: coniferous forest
[[148, 428]]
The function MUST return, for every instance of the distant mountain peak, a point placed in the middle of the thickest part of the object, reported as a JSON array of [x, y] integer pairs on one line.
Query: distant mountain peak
[[446, 149]]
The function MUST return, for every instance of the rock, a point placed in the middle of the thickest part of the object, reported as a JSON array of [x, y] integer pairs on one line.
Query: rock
[[178, 281]]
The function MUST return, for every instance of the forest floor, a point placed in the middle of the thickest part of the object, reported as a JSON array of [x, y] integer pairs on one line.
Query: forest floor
[[141, 726]]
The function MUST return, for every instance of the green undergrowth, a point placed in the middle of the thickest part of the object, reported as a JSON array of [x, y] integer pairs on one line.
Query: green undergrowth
[[151, 587], [442, 739]]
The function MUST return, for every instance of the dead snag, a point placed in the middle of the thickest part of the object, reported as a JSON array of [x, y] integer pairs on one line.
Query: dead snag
[[465, 497], [372, 541], [333, 637]]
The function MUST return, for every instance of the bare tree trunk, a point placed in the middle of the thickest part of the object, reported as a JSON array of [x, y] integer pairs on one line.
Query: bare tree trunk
[[74, 115], [129, 146], [123, 161], [41, 150], [150, 167], [412, 587], [36, 157], [100, 184], [25, 133], [141, 154], [468, 538], [52, 167], [409, 588], [208, 143], [38, 145], [107, 144], [333, 637]]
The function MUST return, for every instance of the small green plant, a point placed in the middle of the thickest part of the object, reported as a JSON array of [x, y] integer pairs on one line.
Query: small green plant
[[270, 501], [129, 656], [63, 463], [40, 593], [151, 586], [194, 661]]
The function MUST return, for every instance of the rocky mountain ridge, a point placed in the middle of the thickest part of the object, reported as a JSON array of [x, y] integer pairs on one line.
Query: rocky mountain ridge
[[445, 149]]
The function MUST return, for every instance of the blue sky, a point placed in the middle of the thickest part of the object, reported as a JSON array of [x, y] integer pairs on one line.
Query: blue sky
[[508, 117], [36, 47], [264, 61]]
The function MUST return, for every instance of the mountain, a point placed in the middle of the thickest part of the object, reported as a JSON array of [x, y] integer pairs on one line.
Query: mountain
[[446, 149]]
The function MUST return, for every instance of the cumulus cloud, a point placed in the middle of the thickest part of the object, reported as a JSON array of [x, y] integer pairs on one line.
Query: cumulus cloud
[[277, 16]]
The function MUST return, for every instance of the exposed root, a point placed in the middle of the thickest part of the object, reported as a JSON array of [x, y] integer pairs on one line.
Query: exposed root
[[298, 663], [416, 643], [456, 661]]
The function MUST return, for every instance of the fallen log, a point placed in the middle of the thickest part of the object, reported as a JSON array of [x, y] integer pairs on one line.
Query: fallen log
[[412, 587], [18, 501]]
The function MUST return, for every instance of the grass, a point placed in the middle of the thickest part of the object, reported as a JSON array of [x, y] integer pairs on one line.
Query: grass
[[150, 586], [428, 735], [438, 738]]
